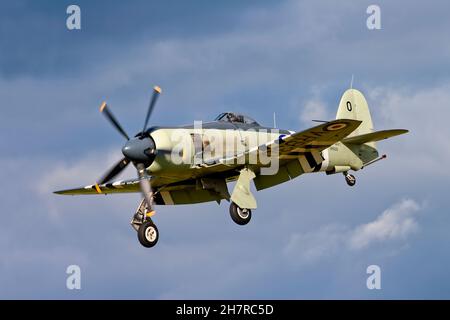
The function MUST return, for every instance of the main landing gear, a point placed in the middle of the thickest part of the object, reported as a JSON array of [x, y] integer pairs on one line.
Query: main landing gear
[[242, 199], [142, 222], [148, 234], [239, 215], [350, 179]]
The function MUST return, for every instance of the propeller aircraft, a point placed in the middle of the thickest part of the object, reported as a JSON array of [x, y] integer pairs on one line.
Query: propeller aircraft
[[193, 163]]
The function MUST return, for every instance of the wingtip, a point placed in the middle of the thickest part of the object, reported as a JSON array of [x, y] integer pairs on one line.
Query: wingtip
[[346, 120], [65, 192], [400, 131]]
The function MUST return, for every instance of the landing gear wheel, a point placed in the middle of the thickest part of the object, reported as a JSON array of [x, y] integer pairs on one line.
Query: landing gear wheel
[[148, 234], [350, 179], [239, 215]]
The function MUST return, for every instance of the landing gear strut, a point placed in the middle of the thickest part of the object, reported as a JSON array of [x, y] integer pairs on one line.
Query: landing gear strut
[[239, 215], [142, 222], [350, 179]]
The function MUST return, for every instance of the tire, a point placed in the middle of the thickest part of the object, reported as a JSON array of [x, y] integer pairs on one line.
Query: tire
[[239, 215], [350, 179], [148, 234]]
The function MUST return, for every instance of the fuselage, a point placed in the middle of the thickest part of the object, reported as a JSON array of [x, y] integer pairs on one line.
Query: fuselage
[[184, 147], [182, 150]]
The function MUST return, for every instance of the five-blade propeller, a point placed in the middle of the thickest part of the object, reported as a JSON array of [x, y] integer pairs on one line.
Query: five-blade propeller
[[140, 150]]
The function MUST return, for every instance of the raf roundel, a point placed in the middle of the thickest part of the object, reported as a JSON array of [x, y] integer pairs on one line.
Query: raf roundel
[[335, 126]]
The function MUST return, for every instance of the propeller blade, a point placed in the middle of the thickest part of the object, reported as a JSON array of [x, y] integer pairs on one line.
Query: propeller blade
[[108, 114], [156, 93], [114, 171], [145, 185]]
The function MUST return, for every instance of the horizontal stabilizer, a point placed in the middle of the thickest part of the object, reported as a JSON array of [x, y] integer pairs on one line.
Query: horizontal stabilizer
[[374, 136]]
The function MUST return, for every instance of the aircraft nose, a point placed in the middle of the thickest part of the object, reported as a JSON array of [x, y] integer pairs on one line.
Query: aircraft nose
[[140, 150]]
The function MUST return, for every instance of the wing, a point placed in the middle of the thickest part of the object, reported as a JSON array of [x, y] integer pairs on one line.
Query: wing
[[167, 191], [123, 186]]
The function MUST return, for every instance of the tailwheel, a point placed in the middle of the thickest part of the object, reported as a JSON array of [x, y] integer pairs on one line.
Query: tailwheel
[[239, 215], [148, 234], [350, 179]]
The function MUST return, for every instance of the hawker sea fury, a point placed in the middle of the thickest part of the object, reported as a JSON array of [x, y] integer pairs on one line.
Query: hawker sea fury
[[193, 164]]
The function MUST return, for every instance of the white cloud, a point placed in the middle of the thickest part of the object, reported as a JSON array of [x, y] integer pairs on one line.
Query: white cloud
[[73, 174], [312, 246], [425, 112], [314, 109], [395, 223], [79, 172]]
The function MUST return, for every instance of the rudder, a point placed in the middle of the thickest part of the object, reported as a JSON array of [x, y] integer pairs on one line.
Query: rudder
[[354, 106]]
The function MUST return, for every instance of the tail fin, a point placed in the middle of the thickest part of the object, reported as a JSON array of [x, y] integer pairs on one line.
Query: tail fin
[[358, 149], [354, 106], [361, 142]]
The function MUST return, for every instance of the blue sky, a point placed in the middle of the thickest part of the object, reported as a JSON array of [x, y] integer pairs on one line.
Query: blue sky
[[294, 58]]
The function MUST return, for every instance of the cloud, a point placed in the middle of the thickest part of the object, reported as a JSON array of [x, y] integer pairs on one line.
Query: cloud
[[79, 172], [395, 223], [313, 110], [312, 246], [425, 112]]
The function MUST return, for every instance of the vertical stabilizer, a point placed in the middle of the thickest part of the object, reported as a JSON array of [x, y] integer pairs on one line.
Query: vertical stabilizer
[[354, 106]]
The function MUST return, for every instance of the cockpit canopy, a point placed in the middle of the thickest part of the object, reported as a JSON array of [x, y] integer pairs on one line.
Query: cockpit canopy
[[236, 117]]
